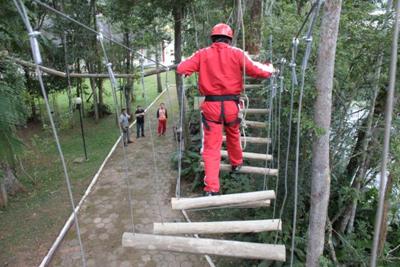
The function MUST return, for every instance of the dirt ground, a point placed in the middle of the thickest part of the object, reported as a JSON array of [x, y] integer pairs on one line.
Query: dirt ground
[[106, 214]]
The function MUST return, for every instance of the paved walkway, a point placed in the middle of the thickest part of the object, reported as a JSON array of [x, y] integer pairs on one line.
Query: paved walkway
[[105, 214]]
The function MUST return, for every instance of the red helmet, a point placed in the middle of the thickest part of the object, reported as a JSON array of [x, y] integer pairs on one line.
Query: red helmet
[[222, 29]]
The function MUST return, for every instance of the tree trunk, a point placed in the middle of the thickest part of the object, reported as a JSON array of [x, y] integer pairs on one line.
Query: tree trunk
[[320, 184], [178, 16], [56, 112], [253, 34], [33, 107], [79, 86], [99, 83], [9, 184], [386, 206], [28, 85], [159, 84], [3, 195], [94, 92], [91, 65], [128, 88]]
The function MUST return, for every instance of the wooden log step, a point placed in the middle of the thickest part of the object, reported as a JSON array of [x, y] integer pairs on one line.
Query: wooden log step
[[255, 204], [256, 110], [253, 226], [249, 169], [253, 140], [253, 86], [221, 200], [256, 124], [208, 246], [249, 155]]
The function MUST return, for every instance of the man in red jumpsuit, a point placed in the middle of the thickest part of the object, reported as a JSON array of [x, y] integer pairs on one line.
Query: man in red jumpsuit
[[220, 68]]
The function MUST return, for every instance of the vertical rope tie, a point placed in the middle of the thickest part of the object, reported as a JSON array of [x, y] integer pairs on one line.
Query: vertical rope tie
[[153, 149], [118, 114], [280, 91], [38, 61], [180, 133]]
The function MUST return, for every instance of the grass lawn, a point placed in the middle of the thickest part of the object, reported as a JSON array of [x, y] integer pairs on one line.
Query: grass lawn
[[31, 222]]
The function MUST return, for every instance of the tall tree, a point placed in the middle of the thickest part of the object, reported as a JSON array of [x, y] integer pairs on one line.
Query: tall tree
[[253, 33], [320, 184]]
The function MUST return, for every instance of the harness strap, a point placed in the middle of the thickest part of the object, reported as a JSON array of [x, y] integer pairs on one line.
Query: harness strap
[[221, 98], [217, 98]]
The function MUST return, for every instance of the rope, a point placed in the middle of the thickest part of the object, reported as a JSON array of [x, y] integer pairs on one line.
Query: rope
[[181, 144], [306, 57], [281, 89], [303, 24], [117, 112], [243, 121], [271, 110], [170, 104], [65, 16], [156, 171], [38, 60], [386, 140]]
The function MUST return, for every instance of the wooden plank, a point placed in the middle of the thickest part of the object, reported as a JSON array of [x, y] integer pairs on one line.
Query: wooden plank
[[253, 86], [253, 226], [249, 169], [249, 155], [256, 124], [193, 245], [253, 140], [221, 200], [256, 110], [255, 204]]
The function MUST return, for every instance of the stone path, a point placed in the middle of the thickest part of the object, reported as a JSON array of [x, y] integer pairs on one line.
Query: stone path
[[105, 215]]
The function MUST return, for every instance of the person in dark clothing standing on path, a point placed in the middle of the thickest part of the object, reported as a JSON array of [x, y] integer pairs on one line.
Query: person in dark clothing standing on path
[[139, 113], [162, 117], [124, 124]]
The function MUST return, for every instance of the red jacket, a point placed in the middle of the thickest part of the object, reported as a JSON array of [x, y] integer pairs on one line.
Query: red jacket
[[220, 68]]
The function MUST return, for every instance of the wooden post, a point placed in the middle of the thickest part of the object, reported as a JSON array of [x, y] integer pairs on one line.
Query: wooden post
[[193, 245], [254, 226]]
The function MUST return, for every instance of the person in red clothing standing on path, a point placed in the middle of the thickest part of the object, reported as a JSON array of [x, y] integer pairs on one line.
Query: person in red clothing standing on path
[[162, 117], [221, 68]]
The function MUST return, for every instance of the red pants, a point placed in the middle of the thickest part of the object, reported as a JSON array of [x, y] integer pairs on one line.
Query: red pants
[[212, 141], [162, 126]]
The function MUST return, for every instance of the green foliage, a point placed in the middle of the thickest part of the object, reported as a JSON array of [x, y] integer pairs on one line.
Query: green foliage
[[12, 109]]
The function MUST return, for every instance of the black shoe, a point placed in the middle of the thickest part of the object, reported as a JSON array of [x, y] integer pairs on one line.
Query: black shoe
[[209, 194], [143, 135], [236, 168], [130, 142]]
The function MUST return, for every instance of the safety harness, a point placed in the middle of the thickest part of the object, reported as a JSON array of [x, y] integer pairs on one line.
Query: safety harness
[[222, 120]]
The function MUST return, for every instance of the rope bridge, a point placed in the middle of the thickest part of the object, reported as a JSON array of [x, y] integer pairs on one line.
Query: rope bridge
[[164, 233]]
